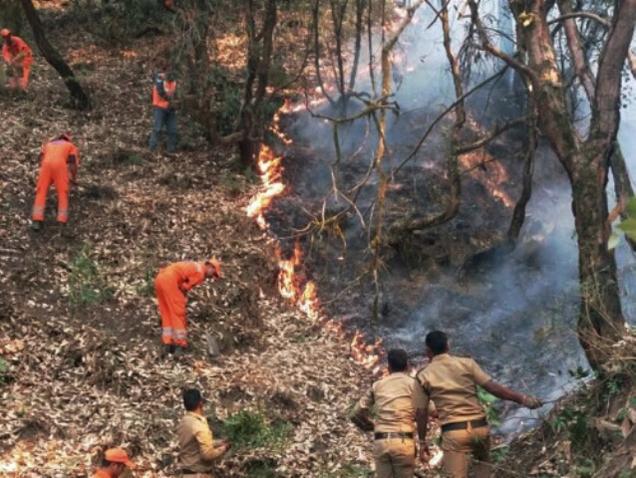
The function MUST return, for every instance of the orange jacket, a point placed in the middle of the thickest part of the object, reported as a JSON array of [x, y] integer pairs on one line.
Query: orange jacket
[[60, 152], [163, 92], [17, 46], [185, 274], [101, 474]]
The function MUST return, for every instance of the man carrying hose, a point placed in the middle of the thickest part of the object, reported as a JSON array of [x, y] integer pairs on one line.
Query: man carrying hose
[[451, 383]]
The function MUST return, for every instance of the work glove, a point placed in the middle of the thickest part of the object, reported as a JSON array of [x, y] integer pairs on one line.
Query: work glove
[[531, 402]]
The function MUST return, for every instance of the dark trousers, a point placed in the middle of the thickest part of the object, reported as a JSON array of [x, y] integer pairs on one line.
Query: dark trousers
[[167, 117]]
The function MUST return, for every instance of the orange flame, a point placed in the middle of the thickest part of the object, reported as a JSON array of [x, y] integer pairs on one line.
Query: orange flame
[[292, 283], [269, 166]]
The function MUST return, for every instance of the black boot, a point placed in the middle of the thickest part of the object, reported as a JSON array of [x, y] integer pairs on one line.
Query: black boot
[[167, 349], [36, 225]]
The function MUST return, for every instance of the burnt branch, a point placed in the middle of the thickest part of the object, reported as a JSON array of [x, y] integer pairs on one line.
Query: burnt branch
[[494, 134], [443, 114], [487, 45]]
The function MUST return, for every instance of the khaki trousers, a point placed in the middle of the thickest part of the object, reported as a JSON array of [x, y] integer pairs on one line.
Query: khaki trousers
[[394, 458], [459, 446]]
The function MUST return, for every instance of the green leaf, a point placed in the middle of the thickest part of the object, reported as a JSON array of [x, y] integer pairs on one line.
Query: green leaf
[[613, 241], [628, 226], [631, 207]]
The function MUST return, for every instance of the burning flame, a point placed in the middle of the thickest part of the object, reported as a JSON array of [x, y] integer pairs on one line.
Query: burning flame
[[271, 173], [292, 282]]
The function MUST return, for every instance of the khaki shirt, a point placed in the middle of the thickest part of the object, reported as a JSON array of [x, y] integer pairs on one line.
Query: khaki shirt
[[451, 383], [196, 445], [396, 398]]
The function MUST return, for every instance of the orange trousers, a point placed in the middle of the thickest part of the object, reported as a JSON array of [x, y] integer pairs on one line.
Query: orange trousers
[[172, 308], [22, 81], [52, 173]]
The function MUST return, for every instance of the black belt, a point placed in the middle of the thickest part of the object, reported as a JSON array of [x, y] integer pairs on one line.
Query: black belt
[[481, 422], [389, 435]]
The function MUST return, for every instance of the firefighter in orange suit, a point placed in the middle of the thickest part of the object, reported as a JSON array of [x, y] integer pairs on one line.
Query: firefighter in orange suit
[[16, 52], [171, 285], [59, 162], [163, 94]]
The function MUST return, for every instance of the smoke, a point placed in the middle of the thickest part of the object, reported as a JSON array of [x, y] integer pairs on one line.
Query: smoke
[[515, 310]]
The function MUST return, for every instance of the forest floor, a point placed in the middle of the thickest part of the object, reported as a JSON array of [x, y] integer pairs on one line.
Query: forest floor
[[79, 328], [80, 369]]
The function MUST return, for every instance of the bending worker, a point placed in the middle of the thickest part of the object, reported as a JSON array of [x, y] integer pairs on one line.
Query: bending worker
[[197, 447], [16, 52], [114, 464], [451, 383], [59, 161], [399, 402], [163, 94], [171, 285]]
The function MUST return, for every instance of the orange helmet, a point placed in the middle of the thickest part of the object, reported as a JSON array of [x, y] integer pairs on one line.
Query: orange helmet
[[214, 262], [5, 33]]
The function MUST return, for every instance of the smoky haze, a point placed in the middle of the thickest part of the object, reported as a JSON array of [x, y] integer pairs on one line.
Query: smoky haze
[[513, 311]]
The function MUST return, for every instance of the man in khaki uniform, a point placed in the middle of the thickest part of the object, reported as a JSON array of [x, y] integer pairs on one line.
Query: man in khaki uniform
[[197, 448], [451, 383], [397, 401]]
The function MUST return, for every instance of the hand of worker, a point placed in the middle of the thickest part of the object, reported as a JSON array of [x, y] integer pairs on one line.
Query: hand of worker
[[425, 453], [531, 402]]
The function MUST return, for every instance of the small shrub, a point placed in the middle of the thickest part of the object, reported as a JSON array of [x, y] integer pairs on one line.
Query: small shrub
[[247, 429], [4, 371], [348, 471], [86, 286], [147, 287], [488, 401], [261, 468], [573, 421]]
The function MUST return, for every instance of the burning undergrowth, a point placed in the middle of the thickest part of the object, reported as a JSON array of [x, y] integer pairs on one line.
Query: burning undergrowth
[[462, 276]]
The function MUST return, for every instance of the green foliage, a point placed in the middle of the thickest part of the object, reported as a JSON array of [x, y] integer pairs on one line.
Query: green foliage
[[117, 21], [229, 96], [585, 469], [574, 422], [627, 225], [247, 429], [499, 453], [86, 286], [348, 471], [11, 16], [147, 287], [488, 401], [4, 371], [261, 469]]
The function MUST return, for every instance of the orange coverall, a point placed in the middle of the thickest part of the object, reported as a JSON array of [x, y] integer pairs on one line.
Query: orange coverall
[[170, 285], [18, 47], [58, 157]]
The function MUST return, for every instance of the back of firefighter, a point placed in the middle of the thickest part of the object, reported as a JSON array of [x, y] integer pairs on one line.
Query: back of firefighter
[[59, 161], [15, 52], [451, 383], [398, 401], [164, 89]]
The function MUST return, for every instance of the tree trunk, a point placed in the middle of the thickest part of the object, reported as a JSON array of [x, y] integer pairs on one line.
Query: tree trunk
[[79, 97], [259, 58], [601, 320]]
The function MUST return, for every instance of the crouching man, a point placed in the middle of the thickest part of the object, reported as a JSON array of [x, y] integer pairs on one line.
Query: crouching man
[[197, 447]]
